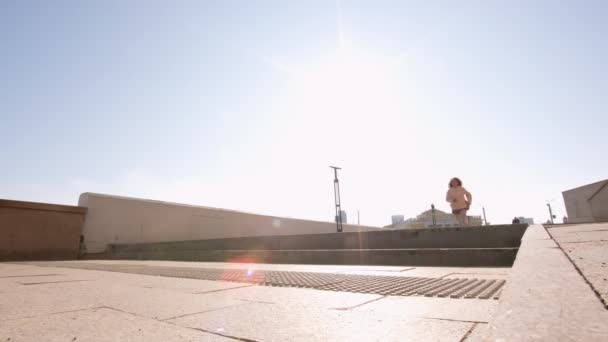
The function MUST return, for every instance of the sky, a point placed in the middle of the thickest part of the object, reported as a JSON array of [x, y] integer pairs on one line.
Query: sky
[[244, 104]]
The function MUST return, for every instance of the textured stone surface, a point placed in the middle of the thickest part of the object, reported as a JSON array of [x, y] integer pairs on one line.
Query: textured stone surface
[[266, 322], [546, 298], [302, 298], [101, 325], [479, 333], [113, 306], [473, 310], [587, 246]]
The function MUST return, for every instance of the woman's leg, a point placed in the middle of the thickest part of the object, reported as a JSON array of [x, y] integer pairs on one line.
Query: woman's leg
[[462, 218]]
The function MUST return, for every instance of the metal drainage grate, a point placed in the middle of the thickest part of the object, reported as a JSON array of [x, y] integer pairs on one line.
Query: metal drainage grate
[[382, 285]]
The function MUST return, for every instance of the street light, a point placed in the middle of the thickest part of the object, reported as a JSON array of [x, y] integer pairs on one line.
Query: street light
[[337, 199], [551, 216]]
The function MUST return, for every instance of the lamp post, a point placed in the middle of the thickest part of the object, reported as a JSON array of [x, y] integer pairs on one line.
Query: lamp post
[[337, 199], [551, 216]]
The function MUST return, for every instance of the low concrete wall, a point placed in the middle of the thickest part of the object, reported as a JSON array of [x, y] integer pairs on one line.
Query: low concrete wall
[[39, 231], [119, 220], [455, 237]]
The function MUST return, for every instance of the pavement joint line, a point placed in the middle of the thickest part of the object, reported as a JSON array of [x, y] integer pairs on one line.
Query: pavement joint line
[[52, 313], [202, 312], [595, 291], [473, 273], [31, 275], [255, 301], [601, 240], [56, 282], [178, 325], [221, 290], [447, 275], [219, 334], [469, 332], [361, 304], [453, 320], [585, 231]]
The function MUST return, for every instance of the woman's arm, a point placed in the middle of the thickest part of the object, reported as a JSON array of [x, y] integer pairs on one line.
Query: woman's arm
[[448, 198], [469, 197]]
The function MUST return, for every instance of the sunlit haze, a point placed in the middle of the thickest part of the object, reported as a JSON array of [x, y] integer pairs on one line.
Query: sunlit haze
[[245, 104]]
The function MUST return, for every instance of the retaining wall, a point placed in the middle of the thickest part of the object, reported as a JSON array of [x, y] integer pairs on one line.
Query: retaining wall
[[39, 231], [120, 220]]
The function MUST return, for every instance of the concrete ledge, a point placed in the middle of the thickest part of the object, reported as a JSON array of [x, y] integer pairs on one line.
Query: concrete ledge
[[546, 298], [468, 237], [42, 206], [458, 257]]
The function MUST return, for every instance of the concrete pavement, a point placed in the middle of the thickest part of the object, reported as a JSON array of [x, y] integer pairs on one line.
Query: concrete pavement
[[586, 245], [556, 290], [67, 304]]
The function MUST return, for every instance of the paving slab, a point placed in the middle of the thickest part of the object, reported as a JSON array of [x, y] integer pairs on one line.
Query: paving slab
[[21, 283], [103, 325], [13, 270], [459, 272], [155, 303], [37, 301], [268, 322], [302, 298], [587, 247], [143, 281], [258, 313], [546, 298], [473, 310], [478, 333]]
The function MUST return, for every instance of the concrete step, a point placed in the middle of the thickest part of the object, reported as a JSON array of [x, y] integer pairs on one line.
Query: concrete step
[[457, 257], [468, 237]]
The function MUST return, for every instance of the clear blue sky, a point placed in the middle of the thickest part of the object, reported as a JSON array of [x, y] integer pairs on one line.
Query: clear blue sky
[[234, 103]]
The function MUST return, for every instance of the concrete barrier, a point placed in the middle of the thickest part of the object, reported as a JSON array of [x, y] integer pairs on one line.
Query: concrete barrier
[[454, 237], [452, 257], [39, 231], [494, 246], [123, 220]]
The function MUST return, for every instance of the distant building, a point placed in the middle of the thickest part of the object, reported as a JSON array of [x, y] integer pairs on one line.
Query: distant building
[[395, 219], [425, 220], [528, 220], [588, 203]]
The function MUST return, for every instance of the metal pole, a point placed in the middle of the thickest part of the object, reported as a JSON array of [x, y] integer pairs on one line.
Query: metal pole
[[433, 215], [550, 212], [485, 221], [337, 199], [358, 220]]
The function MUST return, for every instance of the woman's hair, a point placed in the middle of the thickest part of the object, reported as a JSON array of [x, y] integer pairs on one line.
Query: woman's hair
[[455, 179]]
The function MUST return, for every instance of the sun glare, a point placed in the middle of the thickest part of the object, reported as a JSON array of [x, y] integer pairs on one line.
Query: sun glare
[[346, 82]]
